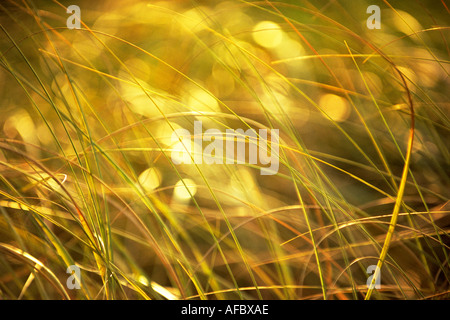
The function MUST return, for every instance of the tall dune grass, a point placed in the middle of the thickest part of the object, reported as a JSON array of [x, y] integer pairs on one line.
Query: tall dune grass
[[86, 170]]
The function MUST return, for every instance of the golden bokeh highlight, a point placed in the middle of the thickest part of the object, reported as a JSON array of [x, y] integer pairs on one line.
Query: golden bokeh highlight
[[336, 107], [267, 34]]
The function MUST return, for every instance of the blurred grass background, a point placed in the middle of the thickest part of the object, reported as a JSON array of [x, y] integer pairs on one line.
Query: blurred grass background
[[86, 176]]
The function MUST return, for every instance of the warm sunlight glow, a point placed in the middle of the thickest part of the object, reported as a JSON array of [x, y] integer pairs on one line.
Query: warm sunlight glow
[[185, 189], [150, 179], [335, 107], [267, 34]]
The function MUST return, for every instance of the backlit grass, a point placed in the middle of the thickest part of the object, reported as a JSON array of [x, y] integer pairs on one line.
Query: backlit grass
[[86, 170]]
